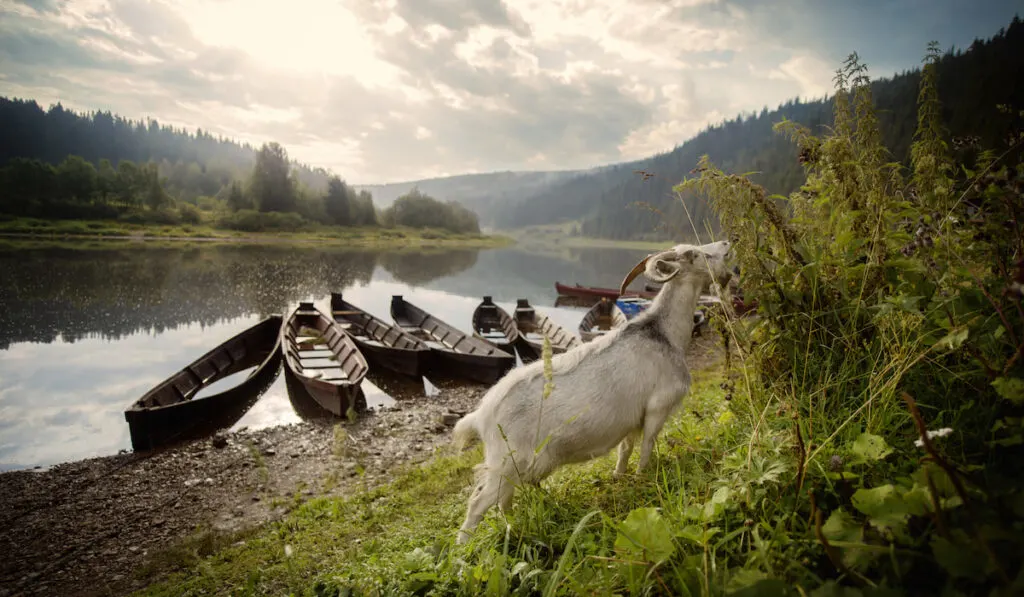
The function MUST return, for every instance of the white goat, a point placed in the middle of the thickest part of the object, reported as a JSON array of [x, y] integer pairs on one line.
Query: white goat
[[606, 392]]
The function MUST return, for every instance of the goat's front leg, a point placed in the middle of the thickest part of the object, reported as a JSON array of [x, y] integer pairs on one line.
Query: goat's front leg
[[625, 451], [654, 419]]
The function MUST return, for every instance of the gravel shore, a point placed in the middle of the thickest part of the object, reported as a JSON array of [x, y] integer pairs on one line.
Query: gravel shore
[[111, 525]]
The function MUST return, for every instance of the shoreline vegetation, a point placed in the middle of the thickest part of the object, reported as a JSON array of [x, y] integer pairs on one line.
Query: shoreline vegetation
[[366, 236]]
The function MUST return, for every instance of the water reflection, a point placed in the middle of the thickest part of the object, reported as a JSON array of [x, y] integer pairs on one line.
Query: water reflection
[[85, 333]]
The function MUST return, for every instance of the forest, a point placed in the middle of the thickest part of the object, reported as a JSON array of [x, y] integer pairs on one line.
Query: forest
[[60, 165], [615, 202]]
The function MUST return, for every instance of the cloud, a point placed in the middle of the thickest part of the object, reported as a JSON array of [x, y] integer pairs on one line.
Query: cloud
[[386, 90]]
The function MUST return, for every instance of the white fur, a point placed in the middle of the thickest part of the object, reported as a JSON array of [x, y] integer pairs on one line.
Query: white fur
[[606, 393]]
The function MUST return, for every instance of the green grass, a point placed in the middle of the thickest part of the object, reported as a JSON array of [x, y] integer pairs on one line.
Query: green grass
[[399, 538], [551, 236], [356, 237]]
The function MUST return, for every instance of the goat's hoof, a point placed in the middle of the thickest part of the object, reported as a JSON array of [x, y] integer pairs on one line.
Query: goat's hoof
[[462, 538]]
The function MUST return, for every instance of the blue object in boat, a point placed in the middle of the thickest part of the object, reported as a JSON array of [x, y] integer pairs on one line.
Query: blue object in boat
[[632, 307]]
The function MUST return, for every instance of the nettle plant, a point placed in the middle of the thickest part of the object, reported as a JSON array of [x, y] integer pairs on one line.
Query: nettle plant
[[890, 304]]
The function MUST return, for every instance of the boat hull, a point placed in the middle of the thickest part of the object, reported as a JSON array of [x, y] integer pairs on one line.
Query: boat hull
[[334, 394], [153, 425], [414, 360], [489, 318], [471, 357], [599, 293]]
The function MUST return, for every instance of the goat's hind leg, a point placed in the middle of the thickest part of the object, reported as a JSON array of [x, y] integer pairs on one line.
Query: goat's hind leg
[[654, 419], [625, 451], [494, 488]]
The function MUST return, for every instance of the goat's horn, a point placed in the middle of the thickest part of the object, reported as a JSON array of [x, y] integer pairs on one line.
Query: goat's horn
[[636, 271]]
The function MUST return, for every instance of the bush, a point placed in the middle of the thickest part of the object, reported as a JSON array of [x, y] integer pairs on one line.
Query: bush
[[164, 216], [248, 220], [189, 213], [887, 306]]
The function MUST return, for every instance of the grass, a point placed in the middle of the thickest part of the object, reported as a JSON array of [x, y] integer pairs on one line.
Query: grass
[[399, 538], [550, 236], [355, 237]]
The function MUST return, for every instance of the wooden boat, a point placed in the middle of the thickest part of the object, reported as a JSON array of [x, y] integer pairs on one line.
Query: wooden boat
[[456, 352], [601, 318], [595, 292], [495, 325], [533, 326], [325, 359], [170, 412], [385, 345]]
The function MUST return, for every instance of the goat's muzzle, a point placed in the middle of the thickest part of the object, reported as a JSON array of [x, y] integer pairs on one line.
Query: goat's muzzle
[[636, 271]]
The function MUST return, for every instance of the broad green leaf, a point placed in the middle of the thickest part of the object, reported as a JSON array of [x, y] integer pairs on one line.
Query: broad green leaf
[[645, 535], [868, 447], [1010, 388], [716, 505], [883, 505], [840, 526]]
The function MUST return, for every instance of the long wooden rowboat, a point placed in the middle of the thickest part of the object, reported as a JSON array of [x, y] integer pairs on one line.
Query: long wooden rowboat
[[170, 412], [533, 326], [595, 292], [494, 324], [456, 352], [324, 359], [385, 345], [601, 318]]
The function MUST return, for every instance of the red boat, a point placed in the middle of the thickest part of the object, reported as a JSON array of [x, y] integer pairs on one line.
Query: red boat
[[593, 292]]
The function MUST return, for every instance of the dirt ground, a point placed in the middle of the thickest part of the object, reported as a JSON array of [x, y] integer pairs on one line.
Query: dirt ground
[[90, 527]]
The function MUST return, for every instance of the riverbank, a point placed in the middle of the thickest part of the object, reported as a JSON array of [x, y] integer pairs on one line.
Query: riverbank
[[372, 237], [561, 236], [214, 516], [111, 525]]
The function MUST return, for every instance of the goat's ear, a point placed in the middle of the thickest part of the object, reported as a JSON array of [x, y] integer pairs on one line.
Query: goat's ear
[[662, 268]]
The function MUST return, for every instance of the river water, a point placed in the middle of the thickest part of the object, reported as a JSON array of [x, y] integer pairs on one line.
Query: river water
[[86, 329]]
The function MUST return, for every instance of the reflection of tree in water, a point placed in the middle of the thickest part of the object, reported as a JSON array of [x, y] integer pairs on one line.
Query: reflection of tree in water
[[112, 293], [420, 267]]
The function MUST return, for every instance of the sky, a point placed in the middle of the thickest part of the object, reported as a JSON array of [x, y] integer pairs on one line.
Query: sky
[[393, 90]]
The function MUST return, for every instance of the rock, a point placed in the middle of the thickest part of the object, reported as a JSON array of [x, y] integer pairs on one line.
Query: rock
[[450, 419], [219, 441], [255, 498], [269, 452]]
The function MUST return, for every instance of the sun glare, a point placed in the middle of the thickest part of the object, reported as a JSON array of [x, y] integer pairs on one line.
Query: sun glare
[[313, 36]]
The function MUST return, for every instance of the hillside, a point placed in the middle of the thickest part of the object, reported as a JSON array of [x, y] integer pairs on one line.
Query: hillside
[[972, 84], [482, 193], [195, 163]]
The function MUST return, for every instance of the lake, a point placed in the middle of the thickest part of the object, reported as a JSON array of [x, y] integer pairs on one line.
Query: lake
[[86, 330]]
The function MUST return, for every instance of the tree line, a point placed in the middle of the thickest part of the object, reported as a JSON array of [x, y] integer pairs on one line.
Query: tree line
[[616, 202], [62, 165]]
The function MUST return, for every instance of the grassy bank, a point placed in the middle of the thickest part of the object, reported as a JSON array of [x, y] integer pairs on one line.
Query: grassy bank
[[561, 236], [567, 537], [361, 237]]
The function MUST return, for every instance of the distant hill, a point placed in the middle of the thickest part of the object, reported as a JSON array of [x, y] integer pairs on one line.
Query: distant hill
[[482, 193], [972, 83]]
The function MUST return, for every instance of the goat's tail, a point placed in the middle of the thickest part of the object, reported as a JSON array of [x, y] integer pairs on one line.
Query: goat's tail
[[465, 432]]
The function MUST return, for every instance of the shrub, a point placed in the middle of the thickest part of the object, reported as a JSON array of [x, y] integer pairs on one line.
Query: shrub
[[887, 306], [248, 220], [189, 213]]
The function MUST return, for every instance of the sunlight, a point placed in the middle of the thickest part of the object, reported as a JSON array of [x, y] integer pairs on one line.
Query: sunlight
[[312, 36]]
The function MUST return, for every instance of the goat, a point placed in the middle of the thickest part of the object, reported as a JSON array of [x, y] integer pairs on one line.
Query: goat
[[606, 392]]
